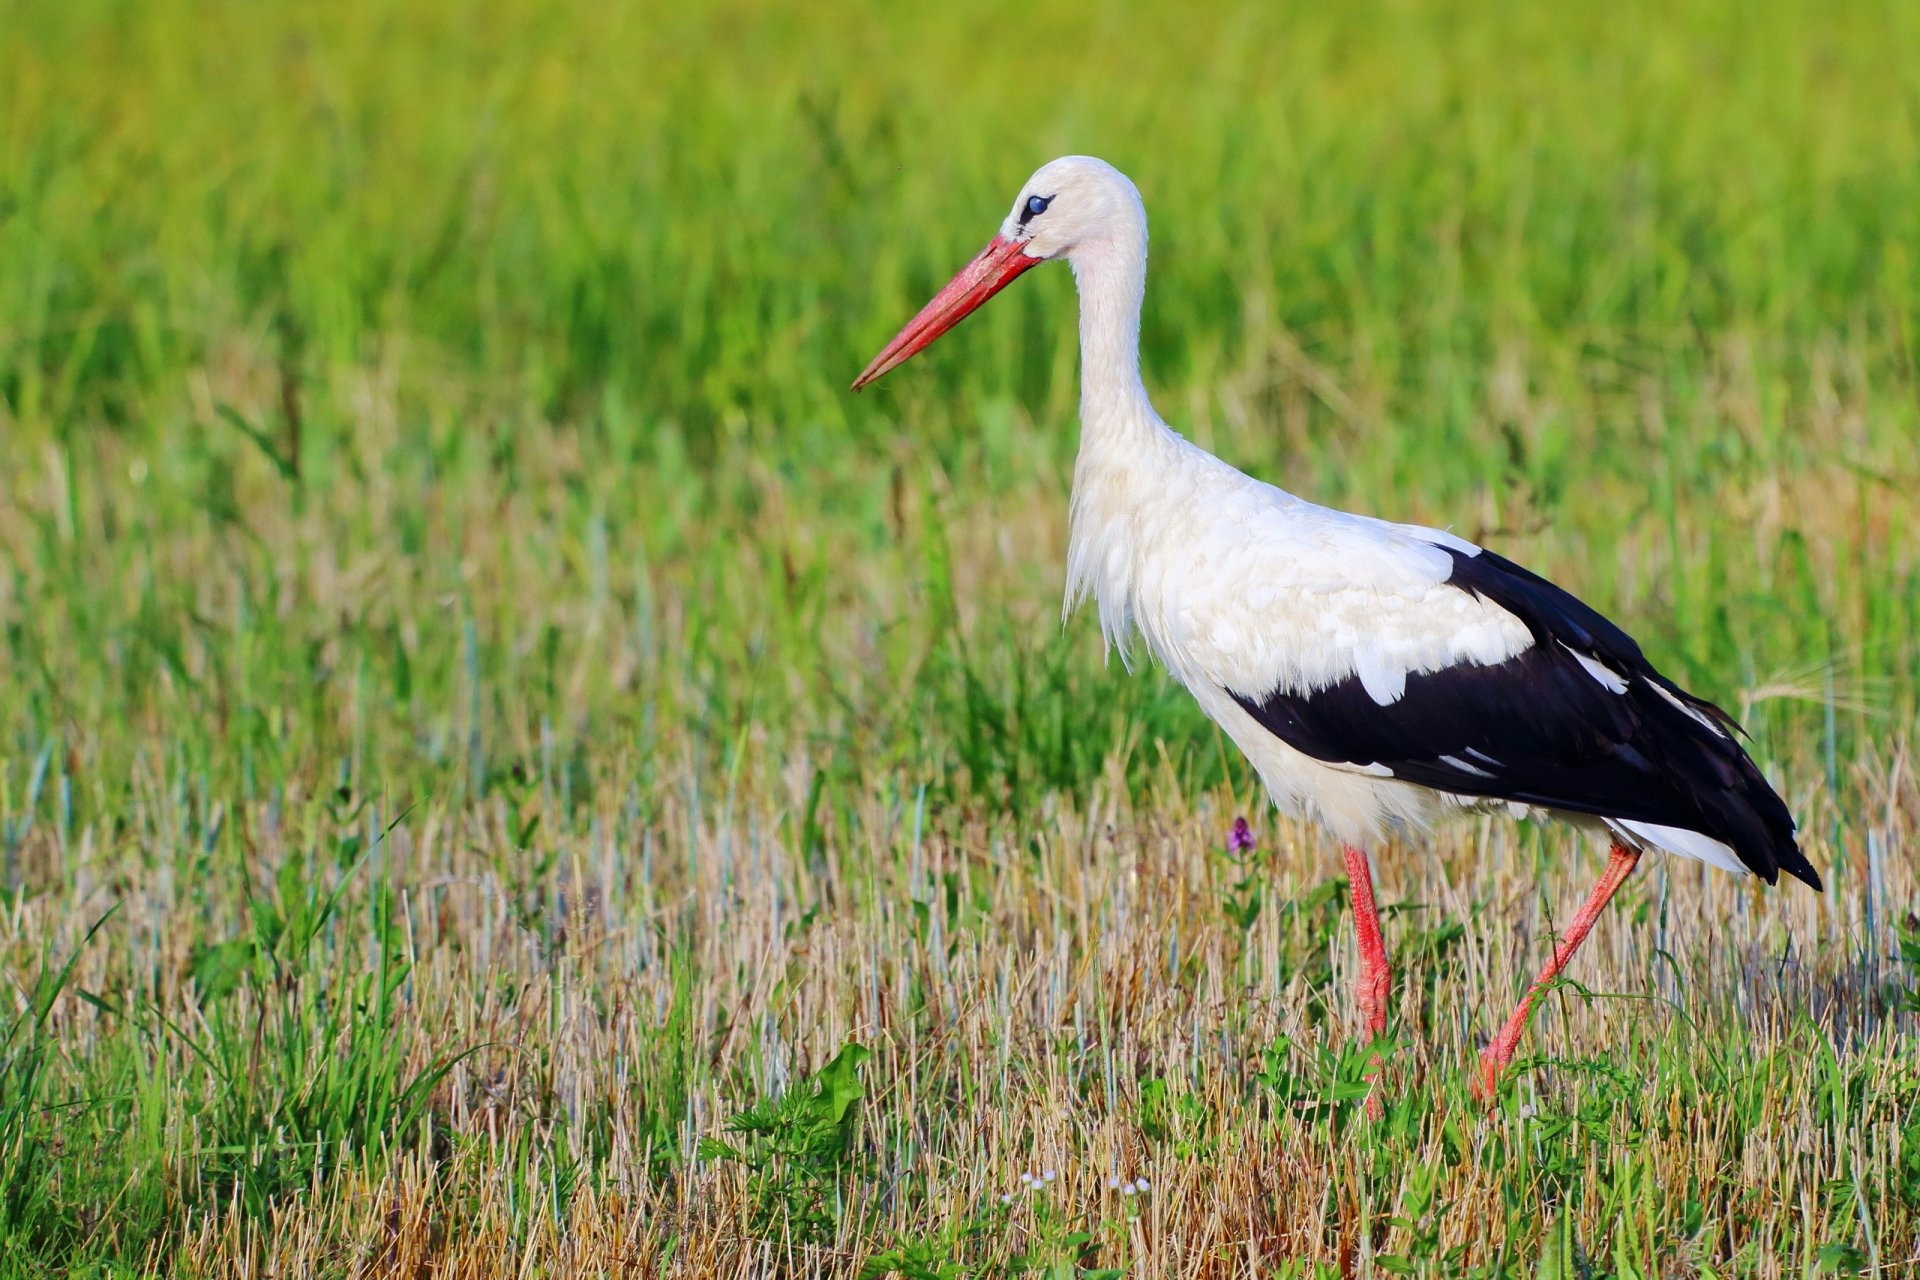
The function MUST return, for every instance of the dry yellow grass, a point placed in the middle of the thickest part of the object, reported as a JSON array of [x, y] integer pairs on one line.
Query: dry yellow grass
[[1042, 1017]]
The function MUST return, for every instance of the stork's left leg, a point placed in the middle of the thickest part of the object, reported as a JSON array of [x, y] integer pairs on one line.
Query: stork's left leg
[[1620, 865], [1376, 980]]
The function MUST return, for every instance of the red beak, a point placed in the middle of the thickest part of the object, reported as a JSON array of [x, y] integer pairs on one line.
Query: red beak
[[991, 270]]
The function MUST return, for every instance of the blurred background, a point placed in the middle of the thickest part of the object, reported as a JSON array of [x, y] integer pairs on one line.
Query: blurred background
[[1628, 290], [430, 418]]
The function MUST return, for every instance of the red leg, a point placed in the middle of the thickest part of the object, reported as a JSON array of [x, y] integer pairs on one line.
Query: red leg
[[1620, 865], [1376, 981]]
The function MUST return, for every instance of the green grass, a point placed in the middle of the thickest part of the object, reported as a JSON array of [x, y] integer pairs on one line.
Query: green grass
[[482, 708]]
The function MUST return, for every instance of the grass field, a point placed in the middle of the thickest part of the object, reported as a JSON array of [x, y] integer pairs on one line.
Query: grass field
[[506, 767]]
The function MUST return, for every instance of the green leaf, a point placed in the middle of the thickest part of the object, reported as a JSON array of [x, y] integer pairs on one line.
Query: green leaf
[[714, 1149], [1840, 1260], [1556, 1252], [101, 1003], [219, 969], [839, 1081], [285, 466]]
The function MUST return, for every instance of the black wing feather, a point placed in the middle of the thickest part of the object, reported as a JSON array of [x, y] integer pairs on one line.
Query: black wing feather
[[1540, 729]]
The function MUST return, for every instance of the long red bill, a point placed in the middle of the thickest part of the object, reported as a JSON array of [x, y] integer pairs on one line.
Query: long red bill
[[991, 270]]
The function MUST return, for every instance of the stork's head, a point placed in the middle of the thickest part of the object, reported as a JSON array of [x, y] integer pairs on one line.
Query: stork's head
[[1069, 206]]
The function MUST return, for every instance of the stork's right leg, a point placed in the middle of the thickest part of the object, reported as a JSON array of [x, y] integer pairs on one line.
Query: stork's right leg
[[1376, 981]]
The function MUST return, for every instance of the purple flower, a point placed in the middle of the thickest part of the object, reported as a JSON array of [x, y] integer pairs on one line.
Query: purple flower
[[1241, 841]]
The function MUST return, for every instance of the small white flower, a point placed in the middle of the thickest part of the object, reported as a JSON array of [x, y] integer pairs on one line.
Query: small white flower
[[1113, 1183], [1128, 1189], [1005, 1198], [1142, 1184], [1026, 1177], [1048, 1176]]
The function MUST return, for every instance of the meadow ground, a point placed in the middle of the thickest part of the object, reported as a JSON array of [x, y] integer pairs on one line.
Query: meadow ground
[[505, 767]]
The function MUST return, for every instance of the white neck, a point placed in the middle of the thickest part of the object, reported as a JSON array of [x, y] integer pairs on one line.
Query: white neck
[[1112, 277], [1123, 443]]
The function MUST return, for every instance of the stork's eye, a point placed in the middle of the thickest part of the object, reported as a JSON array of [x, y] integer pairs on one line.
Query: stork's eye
[[1035, 205]]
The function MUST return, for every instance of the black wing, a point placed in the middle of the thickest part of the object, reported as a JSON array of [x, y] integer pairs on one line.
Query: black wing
[[1547, 729]]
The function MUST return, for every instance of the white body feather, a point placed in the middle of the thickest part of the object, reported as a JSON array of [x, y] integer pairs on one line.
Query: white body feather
[[1235, 584]]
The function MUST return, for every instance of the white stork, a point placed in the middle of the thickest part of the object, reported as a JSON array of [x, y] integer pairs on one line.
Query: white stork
[[1377, 675]]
